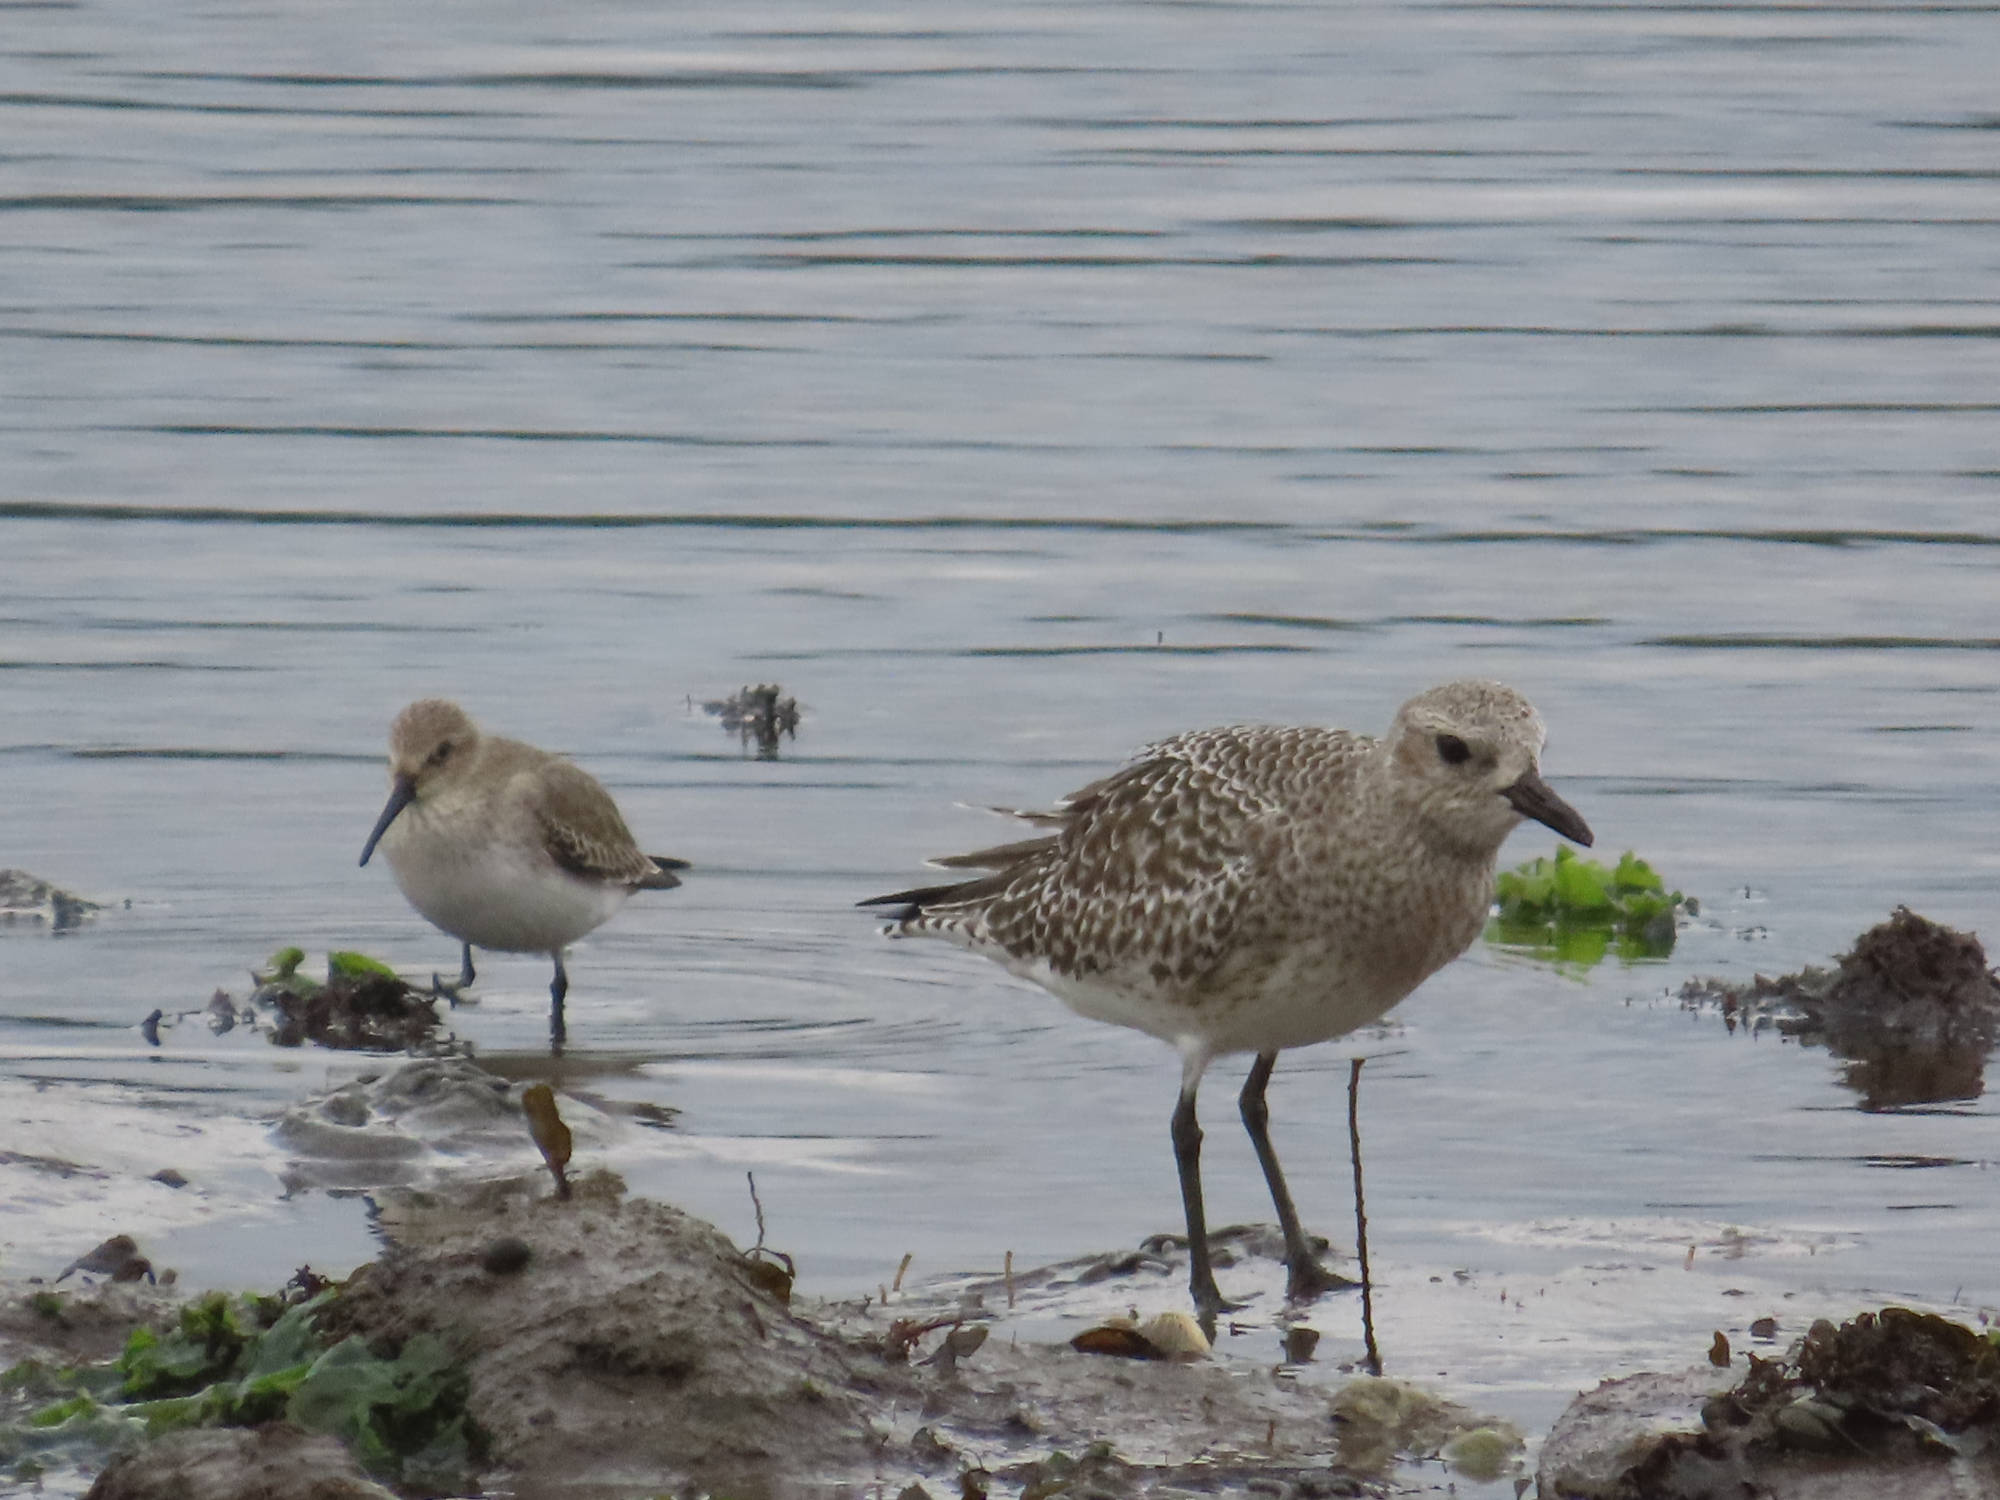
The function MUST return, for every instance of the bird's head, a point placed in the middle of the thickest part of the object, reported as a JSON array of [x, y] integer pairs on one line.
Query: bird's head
[[430, 743], [1468, 755]]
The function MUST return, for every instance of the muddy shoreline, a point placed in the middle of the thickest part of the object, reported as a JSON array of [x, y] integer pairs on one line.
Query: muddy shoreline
[[615, 1347], [612, 1348]]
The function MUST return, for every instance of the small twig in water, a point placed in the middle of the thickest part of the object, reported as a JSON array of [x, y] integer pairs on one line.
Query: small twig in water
[[897, 1284], [1361, 1216], [1008, 1273], [760, 1248]]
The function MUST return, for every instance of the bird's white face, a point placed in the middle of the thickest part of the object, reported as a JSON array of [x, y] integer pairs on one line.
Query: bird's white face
[[1468, 754], [430, 745], [430, 742]]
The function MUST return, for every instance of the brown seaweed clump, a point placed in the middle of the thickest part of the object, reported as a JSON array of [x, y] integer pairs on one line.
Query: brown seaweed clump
[[361, 1005], [1898, 1363], [1913, 1008], [1893, 1405], [758, 715], [370, 1014]]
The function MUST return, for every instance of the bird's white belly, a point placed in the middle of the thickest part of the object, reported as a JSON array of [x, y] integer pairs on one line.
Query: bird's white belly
[[496, 895], [1299, 1000]]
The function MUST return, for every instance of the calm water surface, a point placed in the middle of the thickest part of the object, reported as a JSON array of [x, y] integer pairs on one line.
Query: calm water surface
[[1012, 383]]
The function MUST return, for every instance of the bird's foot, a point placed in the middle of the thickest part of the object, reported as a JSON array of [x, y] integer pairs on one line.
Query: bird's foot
[[451, 990], [1209, 1303], [1307, 1279]]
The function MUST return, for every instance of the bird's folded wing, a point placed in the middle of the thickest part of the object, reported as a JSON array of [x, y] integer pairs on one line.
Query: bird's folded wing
[[581, 828], [1151, 872]]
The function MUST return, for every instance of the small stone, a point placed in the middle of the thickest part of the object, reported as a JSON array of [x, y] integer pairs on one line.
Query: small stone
[[1176, 1335], [170, 1177], [506, 1256], [1483, 1454]]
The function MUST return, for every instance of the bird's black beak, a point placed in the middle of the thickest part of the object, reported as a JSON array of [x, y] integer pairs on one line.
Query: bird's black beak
[[404, 792], [1532, 797]]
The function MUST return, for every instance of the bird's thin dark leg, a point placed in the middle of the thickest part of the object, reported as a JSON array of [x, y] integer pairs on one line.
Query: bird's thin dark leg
[[558, 988], [1187, 1156], [452, 991], [1305, 1277], [1361, 1217]]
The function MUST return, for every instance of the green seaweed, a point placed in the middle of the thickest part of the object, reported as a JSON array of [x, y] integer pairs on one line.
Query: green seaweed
[[1575, 912], [282, 971], [202, 1349], [242, 1362], [285, 962], [403, 1417], [62, 1411], [349, 965]]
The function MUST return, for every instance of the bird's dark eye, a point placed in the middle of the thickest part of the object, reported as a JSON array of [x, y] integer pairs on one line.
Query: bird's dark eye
[[442, 753], [1452, 750]]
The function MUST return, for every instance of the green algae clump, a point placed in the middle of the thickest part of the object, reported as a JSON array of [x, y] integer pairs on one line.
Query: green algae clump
[[244, 1362], [1575, 912]]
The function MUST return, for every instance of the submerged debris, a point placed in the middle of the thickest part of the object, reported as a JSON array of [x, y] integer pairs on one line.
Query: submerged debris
[[1573, 911], [759, 715], [1913, 1008], [361, 1006], [1868, 1407], [29, 898]]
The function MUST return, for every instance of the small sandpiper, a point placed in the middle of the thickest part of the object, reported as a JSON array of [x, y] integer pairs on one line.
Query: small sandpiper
[[1253, 888], [502, 845]]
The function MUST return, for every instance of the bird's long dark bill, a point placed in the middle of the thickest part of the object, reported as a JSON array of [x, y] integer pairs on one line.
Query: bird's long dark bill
[[1533, 798], [400, 797]]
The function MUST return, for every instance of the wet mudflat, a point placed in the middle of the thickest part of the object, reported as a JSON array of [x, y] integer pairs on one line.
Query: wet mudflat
[[513, 1336], [1012, 387]]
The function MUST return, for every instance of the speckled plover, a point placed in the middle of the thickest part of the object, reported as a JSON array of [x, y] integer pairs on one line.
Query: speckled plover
[[1248, 889]]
